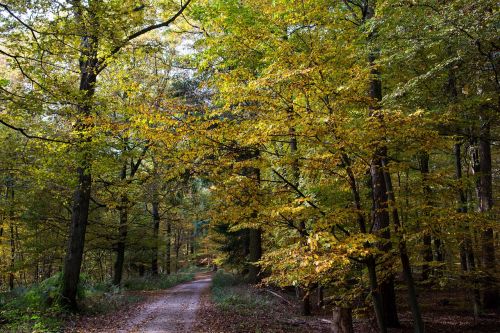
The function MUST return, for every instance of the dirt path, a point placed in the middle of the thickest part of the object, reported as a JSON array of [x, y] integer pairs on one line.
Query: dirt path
[[172, 311], [175, 312]]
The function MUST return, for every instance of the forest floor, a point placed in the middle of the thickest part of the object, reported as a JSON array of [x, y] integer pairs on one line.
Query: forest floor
[[228, 306], [248, 309], [167, 311]]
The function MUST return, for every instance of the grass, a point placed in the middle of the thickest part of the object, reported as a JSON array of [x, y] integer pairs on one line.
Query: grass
[[230, 293], [36, 309]]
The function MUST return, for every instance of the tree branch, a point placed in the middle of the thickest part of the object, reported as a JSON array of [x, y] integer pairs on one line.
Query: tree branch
[[102, 63], [29, 136]]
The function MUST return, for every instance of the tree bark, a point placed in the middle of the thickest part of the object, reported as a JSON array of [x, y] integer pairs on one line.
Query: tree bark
[[156, 229], [370, 262], [485, 194], [467, 254], [381, 225], [342, 320], [418, 323], [255, 247], [379, 191], [81, 198], [423, 158], [122, 232], [168, 255], [305, 305]]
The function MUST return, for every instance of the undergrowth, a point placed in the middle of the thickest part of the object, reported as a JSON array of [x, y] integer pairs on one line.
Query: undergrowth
[[229, 292]]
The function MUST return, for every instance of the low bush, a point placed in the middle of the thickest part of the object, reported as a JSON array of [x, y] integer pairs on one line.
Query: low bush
[[230, 293]]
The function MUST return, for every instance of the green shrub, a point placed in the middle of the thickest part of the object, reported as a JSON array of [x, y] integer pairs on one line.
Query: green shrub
[[228, 292]]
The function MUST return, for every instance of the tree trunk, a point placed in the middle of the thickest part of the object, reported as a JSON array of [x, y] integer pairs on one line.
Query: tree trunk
[[379, 191], [156, 228], [12, 255], [305, 304], [168, 256], [10, 200], [376, 296], [74, 255], [342, 320], [81, 197], [122, 232], [255, 248], [177, 247], [120, 247], [381, 225], [427, 239], [466, 252], [370, 261], [485, 193], [321, 301], [418, 323]]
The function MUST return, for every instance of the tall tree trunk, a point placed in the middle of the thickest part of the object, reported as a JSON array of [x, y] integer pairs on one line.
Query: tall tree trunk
[[168, 256], [381, 226], [74, 255], [379, 191], [177, 247], [376, 295], [485, 194], [320, 294], [418, 323], [255, 247], [370, 262], [12, 254], [423, 158], [122, 232], [253, 241], [81, 197], [10, 201], [156, 229], [467, 254]]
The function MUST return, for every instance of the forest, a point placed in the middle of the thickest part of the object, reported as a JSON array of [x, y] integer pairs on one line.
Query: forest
[[249, 166]]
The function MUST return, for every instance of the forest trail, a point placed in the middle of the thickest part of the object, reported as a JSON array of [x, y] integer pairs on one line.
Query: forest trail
[[174, 312], [170, 311]]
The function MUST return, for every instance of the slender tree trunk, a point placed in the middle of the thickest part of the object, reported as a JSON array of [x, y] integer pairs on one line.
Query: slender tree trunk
[[122, 232], [156, 229], [418, 323], [321, 300], [168, 256], [177, 247], [427, 239], [490, 294], [376, 296], [466, 252], [120, 246], [12, 255], [10, 201], [370, 262]]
